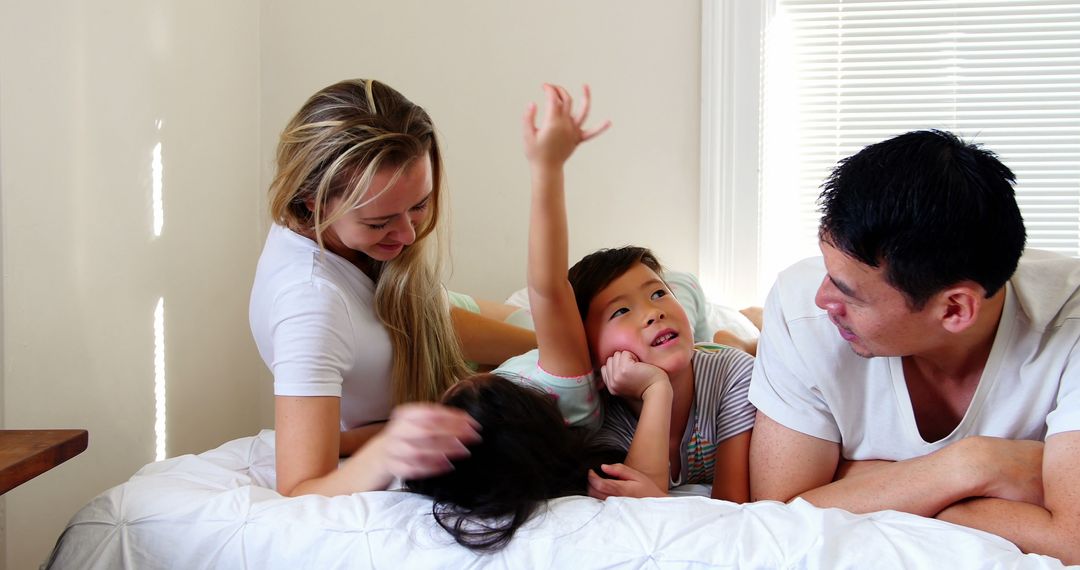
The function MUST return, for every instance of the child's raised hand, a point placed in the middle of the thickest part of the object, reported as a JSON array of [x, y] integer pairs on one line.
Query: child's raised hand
[[560, 130], [627, 377]]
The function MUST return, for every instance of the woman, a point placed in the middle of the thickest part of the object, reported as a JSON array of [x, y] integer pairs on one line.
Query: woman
[[347, 309]]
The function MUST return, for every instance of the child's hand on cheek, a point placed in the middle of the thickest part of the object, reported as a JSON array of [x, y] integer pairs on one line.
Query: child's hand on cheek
[[560, 131], [627, 377]]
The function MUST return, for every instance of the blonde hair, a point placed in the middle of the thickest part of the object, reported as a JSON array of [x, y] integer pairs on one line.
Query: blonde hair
[[332, 148]]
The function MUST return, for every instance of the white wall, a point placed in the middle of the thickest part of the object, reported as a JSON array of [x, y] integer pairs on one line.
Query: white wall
[[474, 65], [82, 86]]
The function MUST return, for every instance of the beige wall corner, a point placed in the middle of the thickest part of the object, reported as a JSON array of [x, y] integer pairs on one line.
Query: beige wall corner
[[129, 147]]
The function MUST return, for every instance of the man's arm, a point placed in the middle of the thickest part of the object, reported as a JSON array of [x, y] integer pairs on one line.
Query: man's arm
[[785, 464], [1052, 529]]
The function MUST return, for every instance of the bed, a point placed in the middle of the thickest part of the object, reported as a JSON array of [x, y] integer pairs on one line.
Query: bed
[[218, 509]]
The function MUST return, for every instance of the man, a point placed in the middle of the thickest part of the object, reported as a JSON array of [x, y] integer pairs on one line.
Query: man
[[935, 370]]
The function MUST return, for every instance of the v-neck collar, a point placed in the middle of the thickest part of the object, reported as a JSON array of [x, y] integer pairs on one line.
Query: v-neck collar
[[986, 381]]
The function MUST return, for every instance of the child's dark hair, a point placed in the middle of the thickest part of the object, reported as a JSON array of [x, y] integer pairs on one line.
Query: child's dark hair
[[598, 269], [527, 455]]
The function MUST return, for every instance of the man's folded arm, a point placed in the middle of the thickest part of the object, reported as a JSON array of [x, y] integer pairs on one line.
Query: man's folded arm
[[1051, 529], [785, 464]]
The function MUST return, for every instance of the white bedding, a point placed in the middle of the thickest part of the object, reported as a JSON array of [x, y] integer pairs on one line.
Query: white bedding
[[218, 510]]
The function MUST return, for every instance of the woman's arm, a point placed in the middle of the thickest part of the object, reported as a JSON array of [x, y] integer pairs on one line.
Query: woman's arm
[[420, 440], [307, 443], [489, 341], [354, 439]]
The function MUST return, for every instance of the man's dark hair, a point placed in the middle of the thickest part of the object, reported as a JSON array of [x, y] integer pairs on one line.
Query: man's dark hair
[[934, 209], [598, 269], [527, 455]]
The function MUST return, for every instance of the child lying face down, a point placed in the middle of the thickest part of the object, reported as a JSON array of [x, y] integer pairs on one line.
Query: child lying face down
[[526, 455]]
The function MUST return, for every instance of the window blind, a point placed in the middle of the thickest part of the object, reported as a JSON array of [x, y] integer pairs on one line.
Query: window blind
[[839, 75]]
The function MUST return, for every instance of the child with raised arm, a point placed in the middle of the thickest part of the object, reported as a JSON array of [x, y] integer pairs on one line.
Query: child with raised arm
[[681, 414]]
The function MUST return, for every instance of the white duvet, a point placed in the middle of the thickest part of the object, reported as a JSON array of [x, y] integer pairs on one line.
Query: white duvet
[[218, 510]]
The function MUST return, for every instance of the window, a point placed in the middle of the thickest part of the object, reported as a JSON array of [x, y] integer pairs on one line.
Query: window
[[836, 76]]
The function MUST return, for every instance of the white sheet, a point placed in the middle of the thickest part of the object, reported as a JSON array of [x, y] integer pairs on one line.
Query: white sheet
[[218, 510]]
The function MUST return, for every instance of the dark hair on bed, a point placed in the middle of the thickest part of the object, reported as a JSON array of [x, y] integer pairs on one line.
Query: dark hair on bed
[[528, 455], [598, 269]]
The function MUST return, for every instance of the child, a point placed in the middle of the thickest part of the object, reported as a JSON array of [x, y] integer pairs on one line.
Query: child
[[682, 415], [527, 454]]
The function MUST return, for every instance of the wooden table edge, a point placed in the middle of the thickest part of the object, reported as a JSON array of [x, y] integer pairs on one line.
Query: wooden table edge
[[50, 448]]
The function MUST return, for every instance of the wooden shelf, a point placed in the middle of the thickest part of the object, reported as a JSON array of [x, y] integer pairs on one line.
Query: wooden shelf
[[25, 454]]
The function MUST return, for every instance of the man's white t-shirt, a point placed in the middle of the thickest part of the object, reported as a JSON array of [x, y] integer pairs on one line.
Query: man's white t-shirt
[[313, 318], [807, 378]]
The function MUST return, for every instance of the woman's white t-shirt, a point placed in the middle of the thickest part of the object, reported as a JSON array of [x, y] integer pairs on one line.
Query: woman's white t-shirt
[[313, 318]]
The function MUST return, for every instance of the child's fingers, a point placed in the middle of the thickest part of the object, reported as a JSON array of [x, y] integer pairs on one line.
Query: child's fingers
[[556, 95], [553, 99], [599, 488], [585, 103], [528, 126], [610, 366], [567, 101], [605, 372], [618, 471], [594, 132]]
